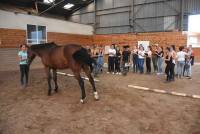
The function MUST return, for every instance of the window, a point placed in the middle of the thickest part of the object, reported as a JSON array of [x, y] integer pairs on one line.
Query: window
[[36, 34], [194, 31]]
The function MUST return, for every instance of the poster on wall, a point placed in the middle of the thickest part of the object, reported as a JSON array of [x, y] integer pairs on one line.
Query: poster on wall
[[106, 49], [145, 44]]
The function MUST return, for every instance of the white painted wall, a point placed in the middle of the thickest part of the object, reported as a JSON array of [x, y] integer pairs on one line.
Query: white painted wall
[[12, 20]]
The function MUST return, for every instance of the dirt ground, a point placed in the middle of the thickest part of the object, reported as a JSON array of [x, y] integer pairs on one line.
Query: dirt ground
[[120, 110]]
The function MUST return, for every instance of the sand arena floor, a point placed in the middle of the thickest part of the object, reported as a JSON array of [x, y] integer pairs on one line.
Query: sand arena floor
[[120, 110]]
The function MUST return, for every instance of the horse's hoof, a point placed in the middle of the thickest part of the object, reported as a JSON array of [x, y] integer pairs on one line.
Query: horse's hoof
[[83, 100], [96, 96]]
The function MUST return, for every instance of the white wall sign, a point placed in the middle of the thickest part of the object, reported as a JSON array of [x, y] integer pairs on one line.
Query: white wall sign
[[145, 44], [106, 49]]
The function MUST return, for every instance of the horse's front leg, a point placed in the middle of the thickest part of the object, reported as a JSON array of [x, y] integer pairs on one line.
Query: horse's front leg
[[81, 84], [91, 79], [47, 70], [55, 79]]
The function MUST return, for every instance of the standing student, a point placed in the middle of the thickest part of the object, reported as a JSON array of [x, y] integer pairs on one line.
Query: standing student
[[23, 63], [168, 61], [155, 57], [135, 59], [99, 59], [117, 61], [160, 56], [148, 54], [141, 55], [173, 54], [125, 59], [191, 53], [181, 55], [185, 49], [188, 66], [111, 59]]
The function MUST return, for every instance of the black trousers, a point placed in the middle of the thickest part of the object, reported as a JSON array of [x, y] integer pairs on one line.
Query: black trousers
[[135, 64], [169, 70], [117, 65], [148, 64], [192, 62], [111, 63], [172, 73], [24, 70]]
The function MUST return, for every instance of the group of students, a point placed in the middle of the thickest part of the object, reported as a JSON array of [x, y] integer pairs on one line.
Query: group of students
[[118, 60], [136, 57], [182, 60]]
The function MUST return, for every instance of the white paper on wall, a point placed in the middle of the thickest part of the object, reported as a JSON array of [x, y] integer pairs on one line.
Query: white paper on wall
[[106, 49], [145, 44]]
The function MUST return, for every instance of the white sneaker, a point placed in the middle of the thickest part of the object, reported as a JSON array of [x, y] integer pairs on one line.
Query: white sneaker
[[113, 73], [108, 72], [120, 73], [117, 73]]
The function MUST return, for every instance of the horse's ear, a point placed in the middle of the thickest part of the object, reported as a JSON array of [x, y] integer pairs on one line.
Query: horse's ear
[[54, 43]]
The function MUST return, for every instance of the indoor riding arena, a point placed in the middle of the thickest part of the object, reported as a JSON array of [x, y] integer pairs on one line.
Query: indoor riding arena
[[99, 67]]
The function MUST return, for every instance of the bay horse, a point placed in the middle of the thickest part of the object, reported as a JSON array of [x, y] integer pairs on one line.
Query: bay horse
[[71, 56]]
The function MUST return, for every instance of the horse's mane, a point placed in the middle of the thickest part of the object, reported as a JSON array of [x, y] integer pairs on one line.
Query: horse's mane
[[43, 46]]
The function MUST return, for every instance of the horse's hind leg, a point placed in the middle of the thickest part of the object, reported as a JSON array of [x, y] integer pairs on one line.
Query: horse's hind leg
[[47, 70], [91, 79], [81, 84], [55, 79]]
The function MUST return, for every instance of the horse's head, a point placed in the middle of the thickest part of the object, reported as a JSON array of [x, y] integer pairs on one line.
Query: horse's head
[[31, 55]]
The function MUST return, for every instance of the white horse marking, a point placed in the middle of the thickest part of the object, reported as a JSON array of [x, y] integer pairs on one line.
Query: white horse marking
[[96, 96]]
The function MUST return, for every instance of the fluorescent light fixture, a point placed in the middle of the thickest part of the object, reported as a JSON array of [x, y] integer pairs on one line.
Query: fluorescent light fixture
[[68, 6], [48, 1]]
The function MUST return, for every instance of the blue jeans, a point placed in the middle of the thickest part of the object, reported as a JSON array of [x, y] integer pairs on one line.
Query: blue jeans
[[188, 71], [180, 67], [141, 65], [160, 62], [99, 65]]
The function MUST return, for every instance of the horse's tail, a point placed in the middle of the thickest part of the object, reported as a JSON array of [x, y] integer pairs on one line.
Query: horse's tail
[[82, 56]]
